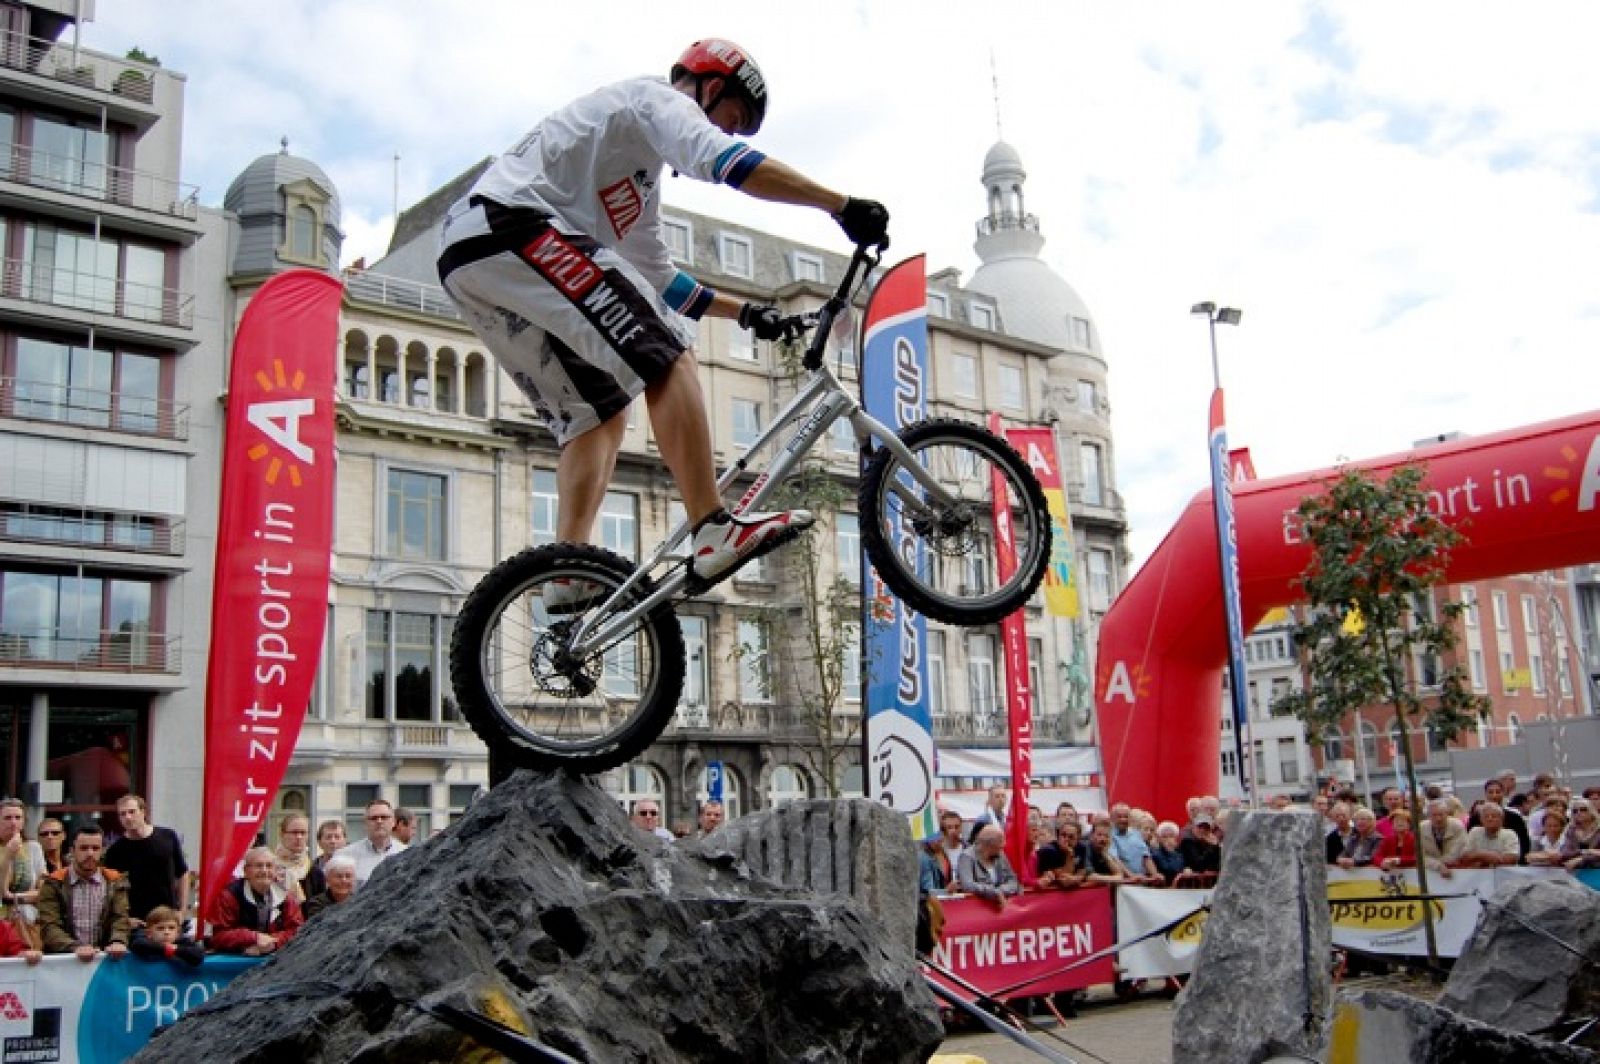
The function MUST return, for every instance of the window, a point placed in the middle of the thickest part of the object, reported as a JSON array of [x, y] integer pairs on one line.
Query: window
[[678, 235], [1010, 379], [73, 269], [1089, 461], [964, 376], [1080, 333], [68, 156], [1564, 676], [405, 667], [1261, 761], [1369, 741], [1508, 665], [843, 435], [788, 784], [1333, 745], [938, 304], [1036, 674], [850, 663], [938, 699], [1502, 619], [806, 267], [1288, 761], [73, 617], [462, 795], [1485, 733], [697, 668], [746, 415], [303, 232], [982, 315], [1479, 680], [1230, 764], [357, 796], [847, 546], [546, 507], [737, 255], [741, 343], [1099, 579], [1514, 727], [1536, 672], [416, 512], [619, 524], [1088, 398], [981, 692], [1469, 599], [89, 386], [1530, 615], [418, 797], [90, 528], [619, 672], [755, 677]]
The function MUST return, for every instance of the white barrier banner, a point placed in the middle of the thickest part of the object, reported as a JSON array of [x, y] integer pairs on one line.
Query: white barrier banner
[[1143, 909], [1371, 911], [102, 1012]]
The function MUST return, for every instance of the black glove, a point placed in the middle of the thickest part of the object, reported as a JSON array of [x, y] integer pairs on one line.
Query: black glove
[[765, 322], [865, 222]]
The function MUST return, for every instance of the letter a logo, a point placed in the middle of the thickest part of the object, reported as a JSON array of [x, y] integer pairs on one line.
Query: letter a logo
[[1120, 684], [1589, 493], [280, 422]]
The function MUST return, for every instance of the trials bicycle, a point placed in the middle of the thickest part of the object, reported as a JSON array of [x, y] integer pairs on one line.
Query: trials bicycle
[[592, 689]]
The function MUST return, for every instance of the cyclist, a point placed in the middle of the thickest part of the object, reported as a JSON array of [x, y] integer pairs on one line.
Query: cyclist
[[555, 257]]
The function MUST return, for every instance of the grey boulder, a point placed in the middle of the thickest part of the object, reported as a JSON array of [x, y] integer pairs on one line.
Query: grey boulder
[[546, 911]]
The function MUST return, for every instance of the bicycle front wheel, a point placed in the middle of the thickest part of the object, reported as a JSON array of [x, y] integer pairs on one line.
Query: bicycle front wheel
[[530, 697], [941, 559]]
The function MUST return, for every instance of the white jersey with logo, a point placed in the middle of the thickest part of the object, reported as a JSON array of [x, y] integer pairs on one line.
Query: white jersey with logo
[[596, 164]]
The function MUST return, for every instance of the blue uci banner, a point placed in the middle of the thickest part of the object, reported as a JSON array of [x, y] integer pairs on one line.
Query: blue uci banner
[[1228, 546], [897, 733]]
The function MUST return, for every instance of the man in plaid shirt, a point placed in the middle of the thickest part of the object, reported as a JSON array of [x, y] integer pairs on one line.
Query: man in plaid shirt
[[83, 908]]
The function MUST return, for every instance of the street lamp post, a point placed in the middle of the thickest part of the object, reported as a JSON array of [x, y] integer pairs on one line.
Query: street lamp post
[[1228, 555]]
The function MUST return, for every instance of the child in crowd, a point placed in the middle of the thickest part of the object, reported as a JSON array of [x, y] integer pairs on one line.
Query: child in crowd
[[160, 937]]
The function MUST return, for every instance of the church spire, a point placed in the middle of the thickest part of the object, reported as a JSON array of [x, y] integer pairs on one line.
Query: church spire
[[1007, 230]]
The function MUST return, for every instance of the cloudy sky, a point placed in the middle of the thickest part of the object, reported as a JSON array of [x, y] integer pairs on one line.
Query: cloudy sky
[[1404, 199]]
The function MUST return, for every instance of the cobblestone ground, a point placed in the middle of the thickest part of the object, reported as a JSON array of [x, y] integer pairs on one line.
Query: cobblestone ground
[[1138, 1032], [1105, 1032]]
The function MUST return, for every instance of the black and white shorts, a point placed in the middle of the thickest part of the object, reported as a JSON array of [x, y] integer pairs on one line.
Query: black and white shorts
[[576, 326]]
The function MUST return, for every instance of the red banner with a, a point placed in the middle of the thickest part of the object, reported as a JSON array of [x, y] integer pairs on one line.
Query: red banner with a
[[1035, 936], [1019, 700], [274, 536]]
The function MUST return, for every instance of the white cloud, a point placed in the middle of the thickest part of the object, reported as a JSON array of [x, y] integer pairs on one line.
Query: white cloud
[[1402, 197]]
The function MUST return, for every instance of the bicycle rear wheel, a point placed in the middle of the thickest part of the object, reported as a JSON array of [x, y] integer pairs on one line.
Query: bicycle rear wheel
[[529, 698], [942, 561]]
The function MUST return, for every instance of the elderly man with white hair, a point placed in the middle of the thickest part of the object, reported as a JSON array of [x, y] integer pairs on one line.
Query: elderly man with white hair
[[255, 915], [340, 874], [983, 869], [1442, 837]]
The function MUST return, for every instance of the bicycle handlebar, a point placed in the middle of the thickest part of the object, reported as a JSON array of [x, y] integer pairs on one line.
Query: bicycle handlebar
[[822, 320]]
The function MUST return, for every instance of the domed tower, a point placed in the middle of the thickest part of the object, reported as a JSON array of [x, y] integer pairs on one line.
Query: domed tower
[[1035, 303], [288, 213]]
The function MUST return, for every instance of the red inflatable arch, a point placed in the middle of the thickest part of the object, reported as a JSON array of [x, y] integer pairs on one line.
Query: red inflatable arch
[[1529, 499]]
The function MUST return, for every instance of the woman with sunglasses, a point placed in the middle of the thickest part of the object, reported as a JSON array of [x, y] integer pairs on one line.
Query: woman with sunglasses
[[21, 866], [1581, 847]]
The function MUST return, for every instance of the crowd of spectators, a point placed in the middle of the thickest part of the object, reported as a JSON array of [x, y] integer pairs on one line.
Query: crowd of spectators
[[89, 898]]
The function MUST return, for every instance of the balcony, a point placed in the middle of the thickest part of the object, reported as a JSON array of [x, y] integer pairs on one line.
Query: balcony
[[65, 404], [399, 294], [115, 532], [138, 200], [121, 308], [107, 652], [57, 72], [982, 724]]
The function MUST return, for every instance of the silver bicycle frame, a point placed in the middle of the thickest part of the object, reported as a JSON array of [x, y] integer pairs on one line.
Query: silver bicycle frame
[[822, 400]]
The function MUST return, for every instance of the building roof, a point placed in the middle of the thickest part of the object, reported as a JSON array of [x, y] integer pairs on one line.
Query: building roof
[[425, 215]]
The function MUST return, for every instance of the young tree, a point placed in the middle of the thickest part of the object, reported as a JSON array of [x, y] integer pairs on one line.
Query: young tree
[[1376, 553]]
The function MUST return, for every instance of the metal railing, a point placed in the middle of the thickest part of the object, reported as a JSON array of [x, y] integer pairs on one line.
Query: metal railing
[[77, 66], [100, 182], [138, 535], [117, 651], [399, 293], [1007, 221], [67, 404], [37, 283]]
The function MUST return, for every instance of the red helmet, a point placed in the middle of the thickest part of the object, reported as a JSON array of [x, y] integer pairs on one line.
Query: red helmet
[[717, 58]]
